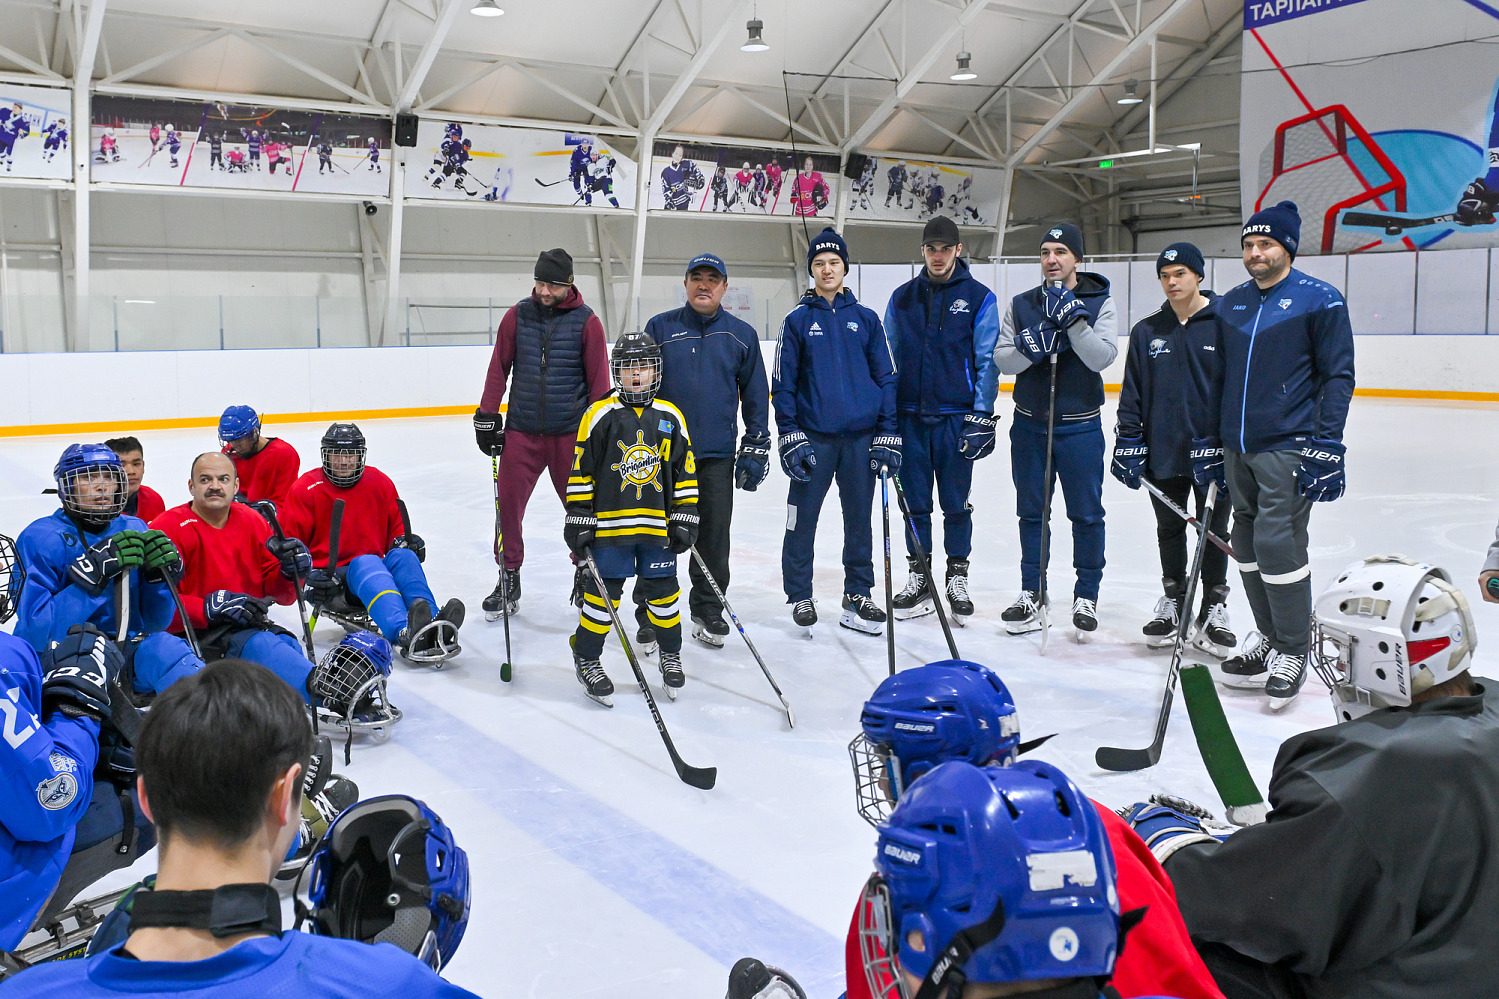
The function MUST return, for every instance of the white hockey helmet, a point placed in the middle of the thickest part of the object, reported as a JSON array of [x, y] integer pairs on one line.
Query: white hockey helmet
[[1387, 629]]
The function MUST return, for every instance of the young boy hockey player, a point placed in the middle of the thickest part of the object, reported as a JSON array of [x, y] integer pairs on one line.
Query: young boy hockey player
[[632, 504]]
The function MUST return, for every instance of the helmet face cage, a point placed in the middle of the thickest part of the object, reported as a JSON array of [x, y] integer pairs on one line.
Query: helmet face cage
[[877, 778], [877, 944], [642, 396], [12, 578], [352, 688], [94, 493], [337, 466]]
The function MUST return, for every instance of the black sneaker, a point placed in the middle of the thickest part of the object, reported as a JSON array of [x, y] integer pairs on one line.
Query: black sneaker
[[1250, 669], [1024, 615], [1287, 674], [710, 629], [804, 613], [1160, 630], [916, 599], [860, 614]]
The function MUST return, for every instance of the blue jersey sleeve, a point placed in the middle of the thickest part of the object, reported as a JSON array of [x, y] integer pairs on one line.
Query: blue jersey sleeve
[[985, 336], [754, 390], [1131, 418], [892, 331], [882, 370], [784, 380], [1332, 353], [50, 602]]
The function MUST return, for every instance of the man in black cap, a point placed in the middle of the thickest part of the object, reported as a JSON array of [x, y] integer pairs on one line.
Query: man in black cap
[[1153, 442], [1055, 339], [1272, 430], [712, 370], [551, 350], [942, 326]]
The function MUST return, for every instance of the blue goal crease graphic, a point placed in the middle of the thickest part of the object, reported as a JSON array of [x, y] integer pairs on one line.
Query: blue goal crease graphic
[[708, 908]]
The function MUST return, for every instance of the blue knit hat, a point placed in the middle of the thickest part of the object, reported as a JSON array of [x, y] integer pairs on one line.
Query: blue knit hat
[[1185, 254], [1281, 223], [827, 241]]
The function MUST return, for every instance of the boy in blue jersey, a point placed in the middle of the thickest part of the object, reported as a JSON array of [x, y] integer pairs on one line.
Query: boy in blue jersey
[[834, 397], [942, 326], [1273, 377]]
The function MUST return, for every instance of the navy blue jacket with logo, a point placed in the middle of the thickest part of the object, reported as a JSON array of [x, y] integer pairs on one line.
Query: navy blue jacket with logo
[[1277, 367], [1089, 348], [942, 342], [833, 371], [711, 367], [1157, 391]]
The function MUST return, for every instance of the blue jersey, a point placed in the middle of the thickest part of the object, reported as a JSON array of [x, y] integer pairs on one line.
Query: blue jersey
[[46, 779], [374, 150], [293, 964], [253, 143], [13, 126], [55, 133], [579, 161], [52, 601], [833, 371]]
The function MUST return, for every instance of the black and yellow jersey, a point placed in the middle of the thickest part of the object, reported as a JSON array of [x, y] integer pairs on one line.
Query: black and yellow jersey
[[632, 466]]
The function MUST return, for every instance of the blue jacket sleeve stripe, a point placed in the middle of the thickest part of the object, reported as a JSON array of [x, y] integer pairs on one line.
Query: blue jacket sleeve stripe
[[985, 336]]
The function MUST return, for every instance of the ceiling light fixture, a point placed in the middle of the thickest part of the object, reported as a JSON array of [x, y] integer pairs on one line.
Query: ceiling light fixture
[[755, 42], [1131, 94], [963, 72], [486, 8]]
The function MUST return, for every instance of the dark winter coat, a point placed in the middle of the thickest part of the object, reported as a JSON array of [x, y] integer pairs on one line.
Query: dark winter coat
[[1090, 348], [1158, 387], [833, 372], [942, 341], [711, 368], [556, 361]]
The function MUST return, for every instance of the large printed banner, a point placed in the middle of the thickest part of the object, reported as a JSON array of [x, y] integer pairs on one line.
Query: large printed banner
[[456, 162], [742, 180], [897, 190], [138, 140], [34, 132], [1376, 117]]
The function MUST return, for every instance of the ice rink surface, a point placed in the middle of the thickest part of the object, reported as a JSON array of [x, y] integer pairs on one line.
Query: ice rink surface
[[597, 873]]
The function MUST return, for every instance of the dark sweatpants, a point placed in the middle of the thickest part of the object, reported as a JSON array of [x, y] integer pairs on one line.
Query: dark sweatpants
[[1077, 450], [929, 452], [845, 458], [1171, 533], [1270, 541], [526, 457]]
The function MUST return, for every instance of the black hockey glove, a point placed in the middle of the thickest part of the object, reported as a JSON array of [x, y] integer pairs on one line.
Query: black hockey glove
[[414, 543], [78, 671], [106, 559], [295, 559], [797, 456], [753, 463], [161, 556], [1037, 342], [239, 609], [884, 454], [489, 432], [1207, 462], [578, 530], [1130, 455], [977, 438], [322, 586], [681, 532]]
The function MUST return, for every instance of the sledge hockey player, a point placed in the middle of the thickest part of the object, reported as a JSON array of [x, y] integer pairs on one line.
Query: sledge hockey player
[[632, 504], [253, 142], [1273, 431], [600, 179], [378, 570], [942, 326], [809, 192], [145, 502], [1060, 333], [56, 138], [721, 193], [551, 351], [834, 395], [108, 150], [61, 830], [1338, 893], [325, 157], [75, 558], [173, 143], [896, 176], [1153, 442], [228, 810], [216, 150], [267, 467], [374, 155], [712, 369], [922, 718], [679, 179], [577, 165]]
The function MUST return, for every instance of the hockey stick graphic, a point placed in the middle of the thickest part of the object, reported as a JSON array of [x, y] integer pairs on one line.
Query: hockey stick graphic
[[1394, 225], [549, 183], [703, 565]]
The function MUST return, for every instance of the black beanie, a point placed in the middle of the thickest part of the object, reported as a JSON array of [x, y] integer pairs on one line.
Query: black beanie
[[1186, 254], [555, 267], [827, 241], [1281, 223], [1068, 235]]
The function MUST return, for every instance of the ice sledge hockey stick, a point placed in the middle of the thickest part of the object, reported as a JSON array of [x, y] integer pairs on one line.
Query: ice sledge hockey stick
[[703, 565], [889, 603], [926, 565], [267, 509], [335, 524], [1116, 759], [1219, 748], [123, 713], [699, 777], [187, 626], [1192, 521], [499, 543]]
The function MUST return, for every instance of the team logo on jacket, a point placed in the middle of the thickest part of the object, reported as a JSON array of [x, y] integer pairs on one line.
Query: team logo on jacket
[[639, 465], [853, 325], [1158, 346], [57, 793], [1284, 303], [961, 305], [814, 329]]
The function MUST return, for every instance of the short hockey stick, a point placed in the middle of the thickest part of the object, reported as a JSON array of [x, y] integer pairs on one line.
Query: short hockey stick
[[926, 565], [499, 542], [267, 509], [889, 601], [122, 711], [187, 626], [1192, 521], [1219, 748], [703, 565], [1111, 758], [335, 524], [699, 777]]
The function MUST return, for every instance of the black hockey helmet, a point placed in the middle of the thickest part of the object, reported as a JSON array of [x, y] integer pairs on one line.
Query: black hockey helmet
[[343, 440], [636, 350]]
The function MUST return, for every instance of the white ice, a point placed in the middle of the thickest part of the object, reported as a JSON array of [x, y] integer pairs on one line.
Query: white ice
[[596, 872]]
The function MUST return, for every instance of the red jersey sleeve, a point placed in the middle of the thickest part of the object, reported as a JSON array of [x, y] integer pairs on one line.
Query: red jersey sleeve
[[178, 524], [499, 364], [252, 532], [282, 468]]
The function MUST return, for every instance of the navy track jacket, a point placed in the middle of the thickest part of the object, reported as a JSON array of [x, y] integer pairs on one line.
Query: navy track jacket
[[1157, 391], [711, 368], [833, 370], [942, 342]]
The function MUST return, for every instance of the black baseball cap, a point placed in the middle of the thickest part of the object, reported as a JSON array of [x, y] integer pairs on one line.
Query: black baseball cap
[[941, 230]]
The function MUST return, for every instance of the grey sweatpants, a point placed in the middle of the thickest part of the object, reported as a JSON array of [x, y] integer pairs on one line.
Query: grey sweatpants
[[1269, 540]]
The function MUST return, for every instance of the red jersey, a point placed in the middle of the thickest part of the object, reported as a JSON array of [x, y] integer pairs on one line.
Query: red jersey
[[269, 472], [148, 504], [371, 521], [804, 193], [1158, 959], [233, 557]]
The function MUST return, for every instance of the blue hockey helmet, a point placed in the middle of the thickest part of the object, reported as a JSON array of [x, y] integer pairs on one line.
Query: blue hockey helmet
[[237, 423], [91, 484], [388, 871], [947, 710], [350, 685], [12, 578], [989, 874]]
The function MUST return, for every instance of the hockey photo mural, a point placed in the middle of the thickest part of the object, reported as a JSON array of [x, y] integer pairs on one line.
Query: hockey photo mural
[[899, 190], [34, 133], [742, 180], [1376, 117]]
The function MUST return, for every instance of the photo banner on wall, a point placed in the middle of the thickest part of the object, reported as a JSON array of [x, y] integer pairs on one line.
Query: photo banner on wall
[[899, 190], [34, 133], [743, 180], [531, 166], [137, 140], [1376, 117]]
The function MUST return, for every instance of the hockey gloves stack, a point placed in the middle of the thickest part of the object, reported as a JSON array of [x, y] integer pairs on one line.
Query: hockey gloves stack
[[753, 463], [1207, 462], [681, 531], [797, 457], [295, 559], [78, 673], [238, 609], [489, 432], [884, 454], [1130, 455], [977, 439], [1167, 823], [578, 530], [1320, 475]]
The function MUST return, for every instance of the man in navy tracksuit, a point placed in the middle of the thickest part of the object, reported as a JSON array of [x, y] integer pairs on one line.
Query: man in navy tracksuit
[[712, 369], [1062, 329], [1153, 442], [942, 326], [834, 395], [1274, 387]]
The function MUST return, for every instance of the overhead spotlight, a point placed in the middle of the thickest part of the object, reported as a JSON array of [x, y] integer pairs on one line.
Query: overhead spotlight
[[963, 72], [755, 42], [486, 8], [1131, 93]]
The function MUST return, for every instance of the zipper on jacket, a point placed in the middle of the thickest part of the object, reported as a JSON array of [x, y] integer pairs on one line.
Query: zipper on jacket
[[1248, 360], [546, 343]]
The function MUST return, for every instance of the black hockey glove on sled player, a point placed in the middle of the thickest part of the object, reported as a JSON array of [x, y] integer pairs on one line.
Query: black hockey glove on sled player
[[79, 671]]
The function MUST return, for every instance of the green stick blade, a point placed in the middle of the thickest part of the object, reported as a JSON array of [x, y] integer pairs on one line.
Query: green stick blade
[[1215, 740]]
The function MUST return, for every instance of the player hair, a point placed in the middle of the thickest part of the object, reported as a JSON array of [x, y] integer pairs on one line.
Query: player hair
[[124, 445], [1461, 685], [214, 744]]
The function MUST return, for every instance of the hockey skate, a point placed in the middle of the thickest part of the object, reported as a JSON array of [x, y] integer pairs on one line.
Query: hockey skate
[[1478, 205], [958, 599], [672, 677], [916, 600], [711, 630], [645, 640], [1213, 634], [860, 614], [596, 683], [508, 585], [804, 614], [1024, 615], [1160, 631], [1084, 617], [319, 809], [428, 640], [1250, 669], [1287, 674]]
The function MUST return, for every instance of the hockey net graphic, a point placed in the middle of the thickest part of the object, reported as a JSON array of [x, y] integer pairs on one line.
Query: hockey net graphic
[[1326, 162]]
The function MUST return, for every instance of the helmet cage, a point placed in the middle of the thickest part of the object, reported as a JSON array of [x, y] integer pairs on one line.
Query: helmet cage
[[12, 579], [72, 482], [879, 944], [353, 691], [641, 396], [344, 480], [877, 779]]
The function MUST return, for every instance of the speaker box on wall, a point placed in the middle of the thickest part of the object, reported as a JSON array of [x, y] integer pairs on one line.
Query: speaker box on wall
[[406, 129]]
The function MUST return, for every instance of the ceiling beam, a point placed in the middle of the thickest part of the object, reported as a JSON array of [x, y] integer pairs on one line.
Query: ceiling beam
[[728, 22], [1181, 75], [428, 54]]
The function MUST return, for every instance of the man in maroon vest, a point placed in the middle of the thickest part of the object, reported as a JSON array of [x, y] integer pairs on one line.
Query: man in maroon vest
[[551, 350]]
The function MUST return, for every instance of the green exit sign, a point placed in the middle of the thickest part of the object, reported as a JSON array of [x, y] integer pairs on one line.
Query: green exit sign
[[1105, 164]]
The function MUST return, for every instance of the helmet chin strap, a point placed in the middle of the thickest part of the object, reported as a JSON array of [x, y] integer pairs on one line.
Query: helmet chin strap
[[225, 911]]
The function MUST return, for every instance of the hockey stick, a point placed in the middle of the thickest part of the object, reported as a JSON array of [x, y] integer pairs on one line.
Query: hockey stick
[[1051, 426], [1394, 225], [549, 183], [267, 509], [1220, 751], [703, 565], [187, 626], [122, 711], [499, 541], [889, 602], [1111, 758], [926, 566], [1192, 521], [334, 526], [699, 777]]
